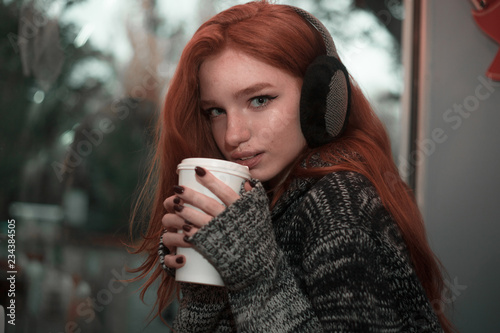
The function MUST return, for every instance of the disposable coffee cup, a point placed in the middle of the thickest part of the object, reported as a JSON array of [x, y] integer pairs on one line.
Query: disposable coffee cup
[[197, 269]]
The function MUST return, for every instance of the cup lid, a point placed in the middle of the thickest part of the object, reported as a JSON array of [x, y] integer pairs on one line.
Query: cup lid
[[214, 164]]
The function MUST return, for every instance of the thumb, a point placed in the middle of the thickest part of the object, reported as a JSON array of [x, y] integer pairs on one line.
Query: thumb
[[250, 184]]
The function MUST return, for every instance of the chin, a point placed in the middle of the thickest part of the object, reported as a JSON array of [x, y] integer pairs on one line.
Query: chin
[[262, 177]]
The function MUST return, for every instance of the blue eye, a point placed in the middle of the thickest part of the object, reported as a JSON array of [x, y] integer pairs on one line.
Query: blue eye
[[213, 112], [261, 101]]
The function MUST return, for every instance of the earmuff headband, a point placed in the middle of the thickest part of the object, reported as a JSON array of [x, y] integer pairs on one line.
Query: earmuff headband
[[326, 90]]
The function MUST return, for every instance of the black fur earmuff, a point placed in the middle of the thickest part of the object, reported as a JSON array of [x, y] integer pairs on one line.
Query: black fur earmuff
[[326, 92]]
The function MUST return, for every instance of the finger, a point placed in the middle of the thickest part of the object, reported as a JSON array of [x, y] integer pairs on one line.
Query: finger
[[174, 260], [199, 200], [194, 216], [189, 229], [174, 239], [172, 221], [249, 185], [216, 186], [171, 249], [171, 201]]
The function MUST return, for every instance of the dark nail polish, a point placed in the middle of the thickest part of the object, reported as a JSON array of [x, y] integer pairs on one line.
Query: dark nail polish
[[186, 227], [179, 260], [186, 239], [178, 189], [187, 222], [178, 208], [200, 171], [177, 200]]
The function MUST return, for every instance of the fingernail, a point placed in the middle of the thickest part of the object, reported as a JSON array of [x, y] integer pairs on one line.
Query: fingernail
[[177, 200], [178, 189], [179, 260], [186, 227], [200, 171], [187, 222], [186, 239], [178, 208]]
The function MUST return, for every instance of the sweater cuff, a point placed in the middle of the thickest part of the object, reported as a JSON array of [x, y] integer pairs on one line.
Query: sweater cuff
[[240, 242], [203, 309]]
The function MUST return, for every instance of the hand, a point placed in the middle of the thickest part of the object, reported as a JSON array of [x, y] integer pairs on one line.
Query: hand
[[170, 238], [190, 219]]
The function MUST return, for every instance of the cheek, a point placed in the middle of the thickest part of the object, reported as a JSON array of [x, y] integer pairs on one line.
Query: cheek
[[283, 125], [218, 133]]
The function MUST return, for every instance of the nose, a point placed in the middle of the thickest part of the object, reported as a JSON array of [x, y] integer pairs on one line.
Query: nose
[[237, 129]]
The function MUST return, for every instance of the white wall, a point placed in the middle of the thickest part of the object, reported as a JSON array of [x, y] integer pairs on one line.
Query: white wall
[[458, 177]]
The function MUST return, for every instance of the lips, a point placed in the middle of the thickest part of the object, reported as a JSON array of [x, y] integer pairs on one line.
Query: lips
[[248, 159]]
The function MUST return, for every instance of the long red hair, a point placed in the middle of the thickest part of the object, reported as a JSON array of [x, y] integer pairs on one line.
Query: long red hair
[[278, 36]]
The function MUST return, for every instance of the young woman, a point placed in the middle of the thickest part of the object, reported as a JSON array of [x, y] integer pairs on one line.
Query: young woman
[[326, 237]]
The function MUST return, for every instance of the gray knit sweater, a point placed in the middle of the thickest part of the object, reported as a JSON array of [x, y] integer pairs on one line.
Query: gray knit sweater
[[328, 258]]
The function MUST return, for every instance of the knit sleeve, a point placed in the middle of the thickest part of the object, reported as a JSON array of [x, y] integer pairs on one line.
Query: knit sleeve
[[203, 309], [356, 267], [262, 290]]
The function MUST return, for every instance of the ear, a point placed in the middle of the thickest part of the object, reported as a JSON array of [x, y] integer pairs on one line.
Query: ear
[[324, 101]]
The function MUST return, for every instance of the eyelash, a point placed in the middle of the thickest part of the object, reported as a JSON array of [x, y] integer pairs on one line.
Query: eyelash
[[269, 98], [208, 112]]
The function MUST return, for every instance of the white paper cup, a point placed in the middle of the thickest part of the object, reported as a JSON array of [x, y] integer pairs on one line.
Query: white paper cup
[[197, 269]]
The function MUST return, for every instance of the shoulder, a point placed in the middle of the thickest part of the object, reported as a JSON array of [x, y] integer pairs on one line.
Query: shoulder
[[345, 182], [344, 194], [347, 207], [343, 203]]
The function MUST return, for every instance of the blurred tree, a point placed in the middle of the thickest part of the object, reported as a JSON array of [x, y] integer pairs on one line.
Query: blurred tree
[[335, 14], [16, 97], [50, 96], [388, 12]]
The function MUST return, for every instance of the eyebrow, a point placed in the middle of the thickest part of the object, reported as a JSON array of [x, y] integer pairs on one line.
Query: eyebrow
[[253, 89]]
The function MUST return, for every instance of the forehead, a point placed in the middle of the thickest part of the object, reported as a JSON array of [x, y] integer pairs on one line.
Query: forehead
[[233, 60], [233, 69]]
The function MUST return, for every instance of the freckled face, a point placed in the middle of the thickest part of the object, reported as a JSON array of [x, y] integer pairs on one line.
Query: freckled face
[[254, 112]]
